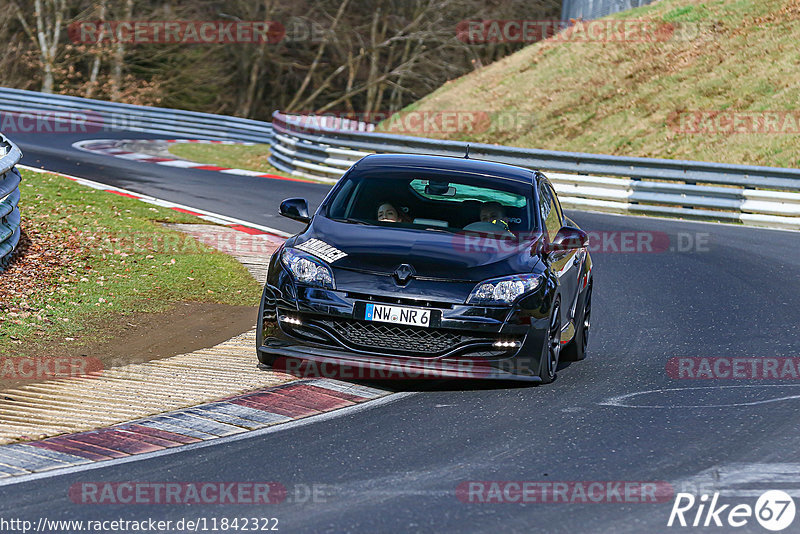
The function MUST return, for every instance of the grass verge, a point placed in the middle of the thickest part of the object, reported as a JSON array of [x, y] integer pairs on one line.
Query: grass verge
[[87, 254], [628, 98]]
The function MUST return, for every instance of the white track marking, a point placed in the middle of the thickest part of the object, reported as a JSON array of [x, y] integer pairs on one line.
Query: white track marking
[[243, 172], [112, 147], [743, 480], [179, 163], [620, 401]]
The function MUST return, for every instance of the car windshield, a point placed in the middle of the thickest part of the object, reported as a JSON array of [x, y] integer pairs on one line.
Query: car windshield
[[434, 201]]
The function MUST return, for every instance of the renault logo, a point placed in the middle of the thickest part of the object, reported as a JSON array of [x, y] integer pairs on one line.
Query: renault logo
[[404, 273]]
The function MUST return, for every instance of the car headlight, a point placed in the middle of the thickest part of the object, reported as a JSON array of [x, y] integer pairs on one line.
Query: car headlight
[[307, 269], [504, 290]]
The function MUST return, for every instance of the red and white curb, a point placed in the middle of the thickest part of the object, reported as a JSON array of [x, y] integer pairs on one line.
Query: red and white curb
[[210, 216], [171, 430], [120, 148]]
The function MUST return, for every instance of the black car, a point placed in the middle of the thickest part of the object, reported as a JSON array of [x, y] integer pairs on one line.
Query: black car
[[427, 266]]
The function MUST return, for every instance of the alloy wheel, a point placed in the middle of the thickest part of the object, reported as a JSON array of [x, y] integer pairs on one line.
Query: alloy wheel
[[554, 341]]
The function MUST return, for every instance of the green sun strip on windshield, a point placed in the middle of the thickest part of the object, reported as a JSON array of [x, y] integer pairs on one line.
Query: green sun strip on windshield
[[470, 192]]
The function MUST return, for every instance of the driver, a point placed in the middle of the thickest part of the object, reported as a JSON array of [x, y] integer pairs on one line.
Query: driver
[[495, 213]]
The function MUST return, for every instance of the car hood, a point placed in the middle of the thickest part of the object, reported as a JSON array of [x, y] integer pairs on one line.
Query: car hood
[[431, 254]]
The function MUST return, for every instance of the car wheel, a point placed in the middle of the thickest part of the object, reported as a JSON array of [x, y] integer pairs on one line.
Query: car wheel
[[265, 325], [266, 359], [552, 348], [575, 350]]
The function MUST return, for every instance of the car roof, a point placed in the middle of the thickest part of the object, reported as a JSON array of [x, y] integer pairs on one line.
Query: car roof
[[447, 163]]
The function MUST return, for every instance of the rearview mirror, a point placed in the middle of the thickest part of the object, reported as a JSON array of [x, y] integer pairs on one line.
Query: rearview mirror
[[569, 238], [440, 189], [295, 208]]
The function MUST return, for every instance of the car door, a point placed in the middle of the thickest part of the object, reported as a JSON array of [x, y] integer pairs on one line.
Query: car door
[[564, 263]]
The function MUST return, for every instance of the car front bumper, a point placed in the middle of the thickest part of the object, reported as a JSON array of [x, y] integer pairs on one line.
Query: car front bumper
[[315, 332]]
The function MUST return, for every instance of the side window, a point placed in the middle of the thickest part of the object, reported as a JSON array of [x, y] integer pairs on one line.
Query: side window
[[557, 205], [550, 215], [341, 205]]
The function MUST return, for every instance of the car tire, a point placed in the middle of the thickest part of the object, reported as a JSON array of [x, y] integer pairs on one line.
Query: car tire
[[575, 350], [266, 359], [263, 358], [552, 346]]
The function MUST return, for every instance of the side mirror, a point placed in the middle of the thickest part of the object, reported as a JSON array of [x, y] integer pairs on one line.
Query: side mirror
[[295, 208], [568, 238]]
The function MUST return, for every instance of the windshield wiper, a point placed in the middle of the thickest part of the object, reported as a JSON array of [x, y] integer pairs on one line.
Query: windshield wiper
[[446, 230]]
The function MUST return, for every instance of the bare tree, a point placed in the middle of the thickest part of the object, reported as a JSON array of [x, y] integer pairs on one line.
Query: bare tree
[[361, 56], [119, 56], [49, 18], [92, 85], [320, 51]]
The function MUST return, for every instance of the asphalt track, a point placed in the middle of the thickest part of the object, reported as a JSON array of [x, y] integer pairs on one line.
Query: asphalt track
[[396, 467]]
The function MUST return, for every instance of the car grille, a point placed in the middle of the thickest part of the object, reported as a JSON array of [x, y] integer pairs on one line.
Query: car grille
[[399, 300], [395, 338]]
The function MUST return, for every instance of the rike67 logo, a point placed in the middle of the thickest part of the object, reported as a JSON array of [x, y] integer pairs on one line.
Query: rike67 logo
[[774, 510]]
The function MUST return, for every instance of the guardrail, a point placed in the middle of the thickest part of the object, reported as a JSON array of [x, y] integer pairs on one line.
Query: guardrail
[[101, 116], [9, 199], [594, 9], [324, 148]]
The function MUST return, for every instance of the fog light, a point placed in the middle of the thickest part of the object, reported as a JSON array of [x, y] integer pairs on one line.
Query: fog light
[[290, 320], [507, 344]]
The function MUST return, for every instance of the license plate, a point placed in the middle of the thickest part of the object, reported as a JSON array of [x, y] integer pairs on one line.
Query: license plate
[[397, 315]]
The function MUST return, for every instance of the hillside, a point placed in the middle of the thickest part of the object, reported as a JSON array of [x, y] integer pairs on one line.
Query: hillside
[[735, 61]]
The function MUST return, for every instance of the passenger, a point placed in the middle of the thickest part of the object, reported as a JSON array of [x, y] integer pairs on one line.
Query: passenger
[[388, 213]]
